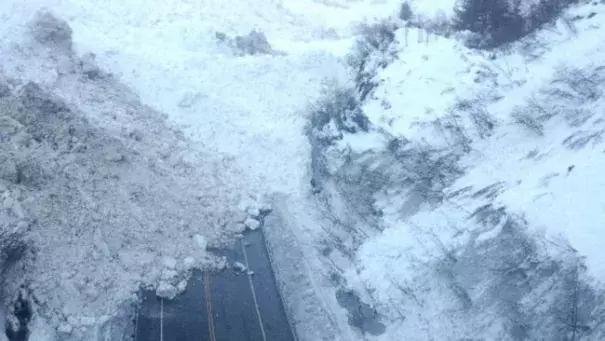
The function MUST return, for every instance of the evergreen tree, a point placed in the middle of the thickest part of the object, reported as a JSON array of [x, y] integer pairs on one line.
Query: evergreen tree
[[497, 21]]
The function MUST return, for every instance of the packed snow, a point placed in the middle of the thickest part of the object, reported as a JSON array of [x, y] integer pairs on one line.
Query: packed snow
[[456, 197], [168, 132]]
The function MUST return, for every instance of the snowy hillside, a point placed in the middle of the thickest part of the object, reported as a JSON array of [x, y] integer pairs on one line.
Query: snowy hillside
[[428, 181], [136, 134], [482, 170]]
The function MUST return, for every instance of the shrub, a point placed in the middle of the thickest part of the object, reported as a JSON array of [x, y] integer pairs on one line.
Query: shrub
[[482, 120], [453, 131], [538, 296], [336, 112], [578, 85], [371, 53], [529, 120], [339, 108], [422, 169]]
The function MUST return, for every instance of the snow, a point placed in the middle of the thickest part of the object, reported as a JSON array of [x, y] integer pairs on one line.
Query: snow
[[44, 332], [239, 266], [166, 290], [252, 223], [554, 186], [169, 66], [433, 9], [240, 138], [200, 242], [222, 131]]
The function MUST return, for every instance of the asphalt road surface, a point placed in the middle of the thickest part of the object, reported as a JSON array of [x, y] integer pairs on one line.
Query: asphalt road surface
[[229, 305]]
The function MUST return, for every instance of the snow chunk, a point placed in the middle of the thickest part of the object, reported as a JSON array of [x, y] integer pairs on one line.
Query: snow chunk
[[240, 216], [168, 274], [114, 156], [238, 266], [200, 241], [265, 208], [189, 262], [65, 328], [73, 321], [48, 29], [89, 66], [253, 211], [252, 223], [88, 321], [166, 290], [8, 171], [169, 262]]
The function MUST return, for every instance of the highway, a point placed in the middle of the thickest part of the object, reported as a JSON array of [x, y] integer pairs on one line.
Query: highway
[[227, 305]]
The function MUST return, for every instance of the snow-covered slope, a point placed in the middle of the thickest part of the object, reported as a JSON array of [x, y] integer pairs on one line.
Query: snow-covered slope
[[98, 179], [456, 198], [105, 194], [488, 189]]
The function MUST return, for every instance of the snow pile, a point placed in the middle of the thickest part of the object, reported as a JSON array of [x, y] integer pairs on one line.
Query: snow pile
[[228, 103], [106, 195], [448, 185]]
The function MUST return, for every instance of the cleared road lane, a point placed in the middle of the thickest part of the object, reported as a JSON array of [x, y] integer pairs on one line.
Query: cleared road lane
[[228, 305]]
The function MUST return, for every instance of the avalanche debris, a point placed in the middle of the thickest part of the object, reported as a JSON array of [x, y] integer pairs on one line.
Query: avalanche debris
[[85, 183]]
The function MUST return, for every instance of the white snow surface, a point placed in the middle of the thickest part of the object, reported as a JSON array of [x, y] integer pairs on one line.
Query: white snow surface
[[432, 77], [246, 115], [242, 119], [549, 176]]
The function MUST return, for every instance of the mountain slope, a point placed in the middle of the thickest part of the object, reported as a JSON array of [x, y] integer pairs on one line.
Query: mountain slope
[[487, 189]]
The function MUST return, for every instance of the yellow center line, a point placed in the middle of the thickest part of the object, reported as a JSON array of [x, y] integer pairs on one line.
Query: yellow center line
[[207, 298]]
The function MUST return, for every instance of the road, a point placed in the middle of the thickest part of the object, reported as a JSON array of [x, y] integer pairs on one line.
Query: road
[[228, 305]]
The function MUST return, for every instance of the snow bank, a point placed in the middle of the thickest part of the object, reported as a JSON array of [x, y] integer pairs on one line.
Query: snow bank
[[104, 188]]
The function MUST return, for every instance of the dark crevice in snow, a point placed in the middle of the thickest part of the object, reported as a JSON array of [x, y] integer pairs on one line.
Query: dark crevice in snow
[[16, 328]]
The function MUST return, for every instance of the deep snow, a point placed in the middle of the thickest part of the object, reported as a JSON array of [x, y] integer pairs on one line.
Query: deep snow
[[239, 141], [530, 186], [484, 224]]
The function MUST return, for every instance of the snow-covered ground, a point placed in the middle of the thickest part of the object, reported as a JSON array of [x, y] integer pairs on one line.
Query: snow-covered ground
[[125, 214], [524, 127], [470, 208]]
